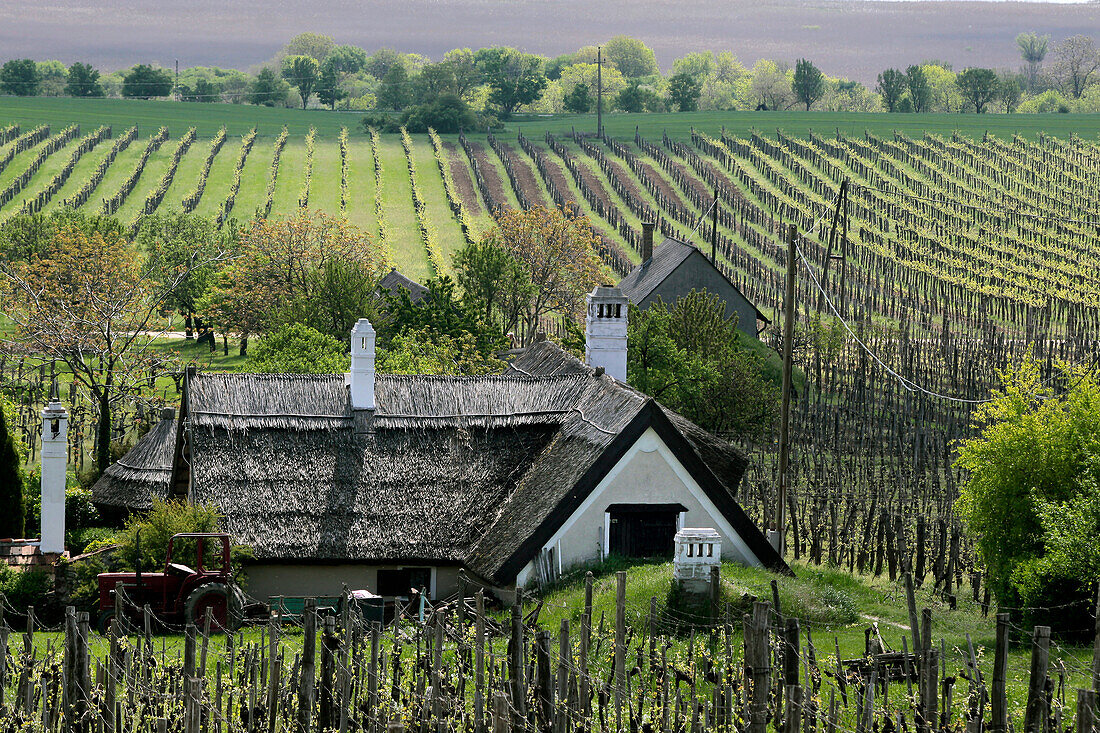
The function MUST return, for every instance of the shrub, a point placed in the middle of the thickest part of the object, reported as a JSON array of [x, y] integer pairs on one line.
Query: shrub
[[298, 349], [28, 588], [1031, 497]]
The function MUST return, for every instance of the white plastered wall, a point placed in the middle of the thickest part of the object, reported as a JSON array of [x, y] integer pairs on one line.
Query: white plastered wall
[[649, 473]]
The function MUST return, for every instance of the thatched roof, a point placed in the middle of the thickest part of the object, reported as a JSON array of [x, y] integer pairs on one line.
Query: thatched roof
[[393, 280], [143, 473], [476, 471], [640, 282]]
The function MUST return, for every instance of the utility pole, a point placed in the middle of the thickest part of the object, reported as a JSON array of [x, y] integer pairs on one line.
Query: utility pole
[[599, 92], [785, 415], [176, 89]]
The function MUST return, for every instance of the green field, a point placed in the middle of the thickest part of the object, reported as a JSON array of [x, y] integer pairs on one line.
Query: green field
[[238, 118]]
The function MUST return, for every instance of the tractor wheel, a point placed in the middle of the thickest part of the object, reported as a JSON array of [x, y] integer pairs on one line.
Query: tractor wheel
[[226, 604], [106, 618]]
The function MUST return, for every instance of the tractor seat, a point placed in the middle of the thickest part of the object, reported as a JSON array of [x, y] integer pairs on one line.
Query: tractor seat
[[178, 570]]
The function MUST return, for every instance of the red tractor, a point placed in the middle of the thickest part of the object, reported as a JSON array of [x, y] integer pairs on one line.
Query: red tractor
[[181, 594]]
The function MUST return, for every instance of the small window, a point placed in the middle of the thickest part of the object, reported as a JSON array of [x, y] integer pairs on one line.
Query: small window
[[618, 310], [710, 550], [691, 550]]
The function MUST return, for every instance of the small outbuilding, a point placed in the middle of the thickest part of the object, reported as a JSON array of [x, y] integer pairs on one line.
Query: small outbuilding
[[674, 269]]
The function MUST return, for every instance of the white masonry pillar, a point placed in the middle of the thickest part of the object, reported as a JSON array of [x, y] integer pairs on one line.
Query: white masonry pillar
[[55, 460], [362, 365], [606, 329]]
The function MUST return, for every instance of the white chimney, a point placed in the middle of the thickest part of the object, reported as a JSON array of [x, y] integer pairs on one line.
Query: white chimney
[[362, 366], [55, 459], [605, 331]]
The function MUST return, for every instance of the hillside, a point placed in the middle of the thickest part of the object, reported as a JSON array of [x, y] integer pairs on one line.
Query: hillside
[[854, 38]]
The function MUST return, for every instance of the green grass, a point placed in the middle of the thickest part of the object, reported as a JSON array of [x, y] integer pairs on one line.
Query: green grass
[[678, 124], [428, 178], [402, 231], [150, 115], [834, 608], [361, 186]]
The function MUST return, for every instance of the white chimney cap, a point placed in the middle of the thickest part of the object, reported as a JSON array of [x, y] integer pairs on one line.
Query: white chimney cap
[[362, 328]]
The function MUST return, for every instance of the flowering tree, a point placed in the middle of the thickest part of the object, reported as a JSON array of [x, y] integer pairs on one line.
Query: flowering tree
[[87, 301], [311, 269], [558, 251]]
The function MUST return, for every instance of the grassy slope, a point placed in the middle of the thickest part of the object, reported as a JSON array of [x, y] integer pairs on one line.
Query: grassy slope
[[679, 124], [292, 172], [149, 115], [409, 254], [361, 186], [83, 170], [155, 169], [834, 606], [221, 176], [438, 212], [254, 178]]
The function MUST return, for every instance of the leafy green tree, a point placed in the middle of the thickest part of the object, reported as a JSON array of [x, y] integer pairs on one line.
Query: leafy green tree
[[341, 63], [328, 85], [396, 90], [379, 62], [447, 114], [631, 56], [440, 312], [808, 83], [268, 89], [920, 89], [145, 82], [514, 78], [315, 45], [11, 478], [579, 100], [302, 73], [51, 78], [1031, 497], [978, 86], [298, 349], [19, 77], [427, 352], [204, 90], [83, 81], [172, 243], [1009, 90], [690, 357], [1033, 49], [433, 81], [684, 91], [891, 87], [467, 75], [494, 283], [157, 527], [637, 98]]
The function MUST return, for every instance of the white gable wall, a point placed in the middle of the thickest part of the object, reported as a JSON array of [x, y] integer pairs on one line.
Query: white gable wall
[[649, 473]]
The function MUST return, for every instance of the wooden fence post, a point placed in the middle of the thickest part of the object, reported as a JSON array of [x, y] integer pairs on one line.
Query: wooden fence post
[[757, 666], [1036, 714], [999, 685], [620, 646], [479, 663], [308, 668], [1086, 711]]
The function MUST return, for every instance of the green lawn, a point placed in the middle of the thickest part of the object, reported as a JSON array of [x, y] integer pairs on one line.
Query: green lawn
[[438, 211], [150, 115], [679, 124]]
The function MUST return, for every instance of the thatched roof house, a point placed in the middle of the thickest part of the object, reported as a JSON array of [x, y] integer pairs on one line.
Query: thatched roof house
[[512, 478], [674, 269]]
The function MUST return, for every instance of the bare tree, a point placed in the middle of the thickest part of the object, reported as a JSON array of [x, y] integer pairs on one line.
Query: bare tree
[[1076, 63]]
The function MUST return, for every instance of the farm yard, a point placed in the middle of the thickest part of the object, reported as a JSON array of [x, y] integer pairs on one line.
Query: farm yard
[[933, 255]]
